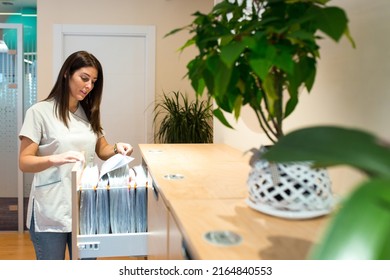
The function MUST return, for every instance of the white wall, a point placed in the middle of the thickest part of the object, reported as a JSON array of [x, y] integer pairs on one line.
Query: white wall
[[350, 88], [164, 14]]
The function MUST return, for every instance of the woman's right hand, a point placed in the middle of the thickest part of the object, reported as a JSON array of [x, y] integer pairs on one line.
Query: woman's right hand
[[68, 157]]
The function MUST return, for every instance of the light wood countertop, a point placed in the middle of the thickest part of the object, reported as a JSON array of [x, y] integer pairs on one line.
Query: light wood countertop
[[212, 197], [263, 236], [210, 170]]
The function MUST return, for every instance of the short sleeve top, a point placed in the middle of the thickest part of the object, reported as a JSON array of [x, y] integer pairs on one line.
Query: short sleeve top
[[50, 196]]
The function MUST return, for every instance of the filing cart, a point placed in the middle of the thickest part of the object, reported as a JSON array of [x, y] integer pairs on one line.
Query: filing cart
[[112, 244]]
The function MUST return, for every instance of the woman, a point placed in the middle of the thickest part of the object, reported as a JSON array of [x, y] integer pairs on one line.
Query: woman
[[60, 130]]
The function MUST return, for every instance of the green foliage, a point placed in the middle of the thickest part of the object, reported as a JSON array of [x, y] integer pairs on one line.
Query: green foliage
[[361, 226], [260, 56], [183, 121]]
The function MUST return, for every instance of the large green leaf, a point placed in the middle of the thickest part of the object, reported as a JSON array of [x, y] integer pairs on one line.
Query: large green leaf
[[292, 102], [331, 145], [231, 52], [218, 76], [263, 59], [331, 20], [284, 59], [260, 66], [237, 107], [195, 71], [300, 35], [219, 115], [304, 72], [271, 93], [361, 227]]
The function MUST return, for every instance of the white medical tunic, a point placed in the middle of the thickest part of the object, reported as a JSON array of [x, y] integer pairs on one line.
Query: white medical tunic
[[51, 189]]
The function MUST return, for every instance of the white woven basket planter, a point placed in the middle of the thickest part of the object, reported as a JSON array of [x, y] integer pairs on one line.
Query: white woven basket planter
[[289, 190]]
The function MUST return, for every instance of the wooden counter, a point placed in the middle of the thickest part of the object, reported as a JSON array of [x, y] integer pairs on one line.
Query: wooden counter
[[210, 171], [211, 197], [263, 236]]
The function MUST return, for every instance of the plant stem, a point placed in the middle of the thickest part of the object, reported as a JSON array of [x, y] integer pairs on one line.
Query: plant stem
[[279, 104], [265, 126], [261, 116]]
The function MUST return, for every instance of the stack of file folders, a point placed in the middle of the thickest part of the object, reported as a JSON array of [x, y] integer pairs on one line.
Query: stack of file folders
[[114, 199]]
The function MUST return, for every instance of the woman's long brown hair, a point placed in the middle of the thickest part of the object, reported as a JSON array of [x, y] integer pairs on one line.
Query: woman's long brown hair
[[60, 92]]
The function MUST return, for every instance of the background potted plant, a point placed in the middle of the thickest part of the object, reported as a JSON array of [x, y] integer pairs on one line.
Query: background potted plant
[[262, 55], [182, 121], [360, 227]]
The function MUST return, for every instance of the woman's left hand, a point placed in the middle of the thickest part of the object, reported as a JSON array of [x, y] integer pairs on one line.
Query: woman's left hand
[[124, 148]]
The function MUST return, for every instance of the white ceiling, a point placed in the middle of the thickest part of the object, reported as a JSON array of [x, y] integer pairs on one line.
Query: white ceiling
[[16, 6]]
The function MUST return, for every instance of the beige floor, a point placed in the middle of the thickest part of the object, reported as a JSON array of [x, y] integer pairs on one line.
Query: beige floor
[[18, 246]]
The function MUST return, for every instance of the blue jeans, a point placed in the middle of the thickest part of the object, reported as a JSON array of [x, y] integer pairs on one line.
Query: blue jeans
[[50, 245]]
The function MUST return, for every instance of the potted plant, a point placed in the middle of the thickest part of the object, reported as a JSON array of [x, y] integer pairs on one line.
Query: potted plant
[[262, 55], [359, 228], [182, 121]]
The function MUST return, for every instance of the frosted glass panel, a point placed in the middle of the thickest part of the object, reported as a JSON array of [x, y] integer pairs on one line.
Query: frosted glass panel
[[8, 124], [17, 93]]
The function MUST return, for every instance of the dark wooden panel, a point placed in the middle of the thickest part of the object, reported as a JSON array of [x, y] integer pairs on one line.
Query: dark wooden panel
[[9, 214]]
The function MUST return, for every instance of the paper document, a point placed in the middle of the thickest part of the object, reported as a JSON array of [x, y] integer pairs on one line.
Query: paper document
[[114, 162]]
